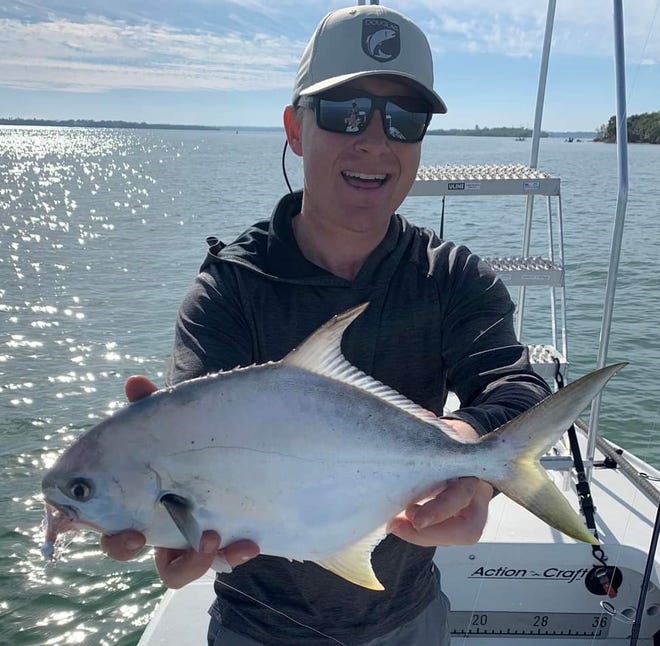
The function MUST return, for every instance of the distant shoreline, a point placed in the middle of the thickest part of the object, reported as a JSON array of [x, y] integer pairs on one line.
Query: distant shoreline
[[519, 133], [134, 125], [500, 131]]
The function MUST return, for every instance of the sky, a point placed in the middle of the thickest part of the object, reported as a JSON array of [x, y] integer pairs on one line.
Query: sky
[[232, 63]]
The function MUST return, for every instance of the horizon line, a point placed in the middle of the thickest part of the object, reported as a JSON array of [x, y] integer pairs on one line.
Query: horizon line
[[120, 123]]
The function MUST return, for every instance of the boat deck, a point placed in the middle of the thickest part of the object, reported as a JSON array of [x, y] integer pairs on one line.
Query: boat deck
[[526, 581]]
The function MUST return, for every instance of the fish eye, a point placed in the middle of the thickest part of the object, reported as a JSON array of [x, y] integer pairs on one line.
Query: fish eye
[[80, 489]]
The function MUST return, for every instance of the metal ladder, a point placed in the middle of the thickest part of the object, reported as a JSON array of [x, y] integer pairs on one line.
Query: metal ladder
[[522, 270]]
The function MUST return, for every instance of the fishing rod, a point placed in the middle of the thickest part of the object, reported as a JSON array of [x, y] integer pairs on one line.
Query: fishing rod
[[646, 581]]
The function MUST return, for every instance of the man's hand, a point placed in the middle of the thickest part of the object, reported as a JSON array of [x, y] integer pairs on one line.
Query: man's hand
[[179, 567], [457, 513], [455, 516], [176, 567]]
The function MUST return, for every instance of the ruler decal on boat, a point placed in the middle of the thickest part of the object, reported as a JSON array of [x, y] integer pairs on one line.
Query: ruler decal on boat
[[529, 624]]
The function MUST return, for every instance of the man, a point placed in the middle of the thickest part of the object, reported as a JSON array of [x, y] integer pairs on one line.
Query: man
[[438, 319]]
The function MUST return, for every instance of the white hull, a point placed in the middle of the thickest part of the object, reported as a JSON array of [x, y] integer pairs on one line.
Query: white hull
[[524, 576]]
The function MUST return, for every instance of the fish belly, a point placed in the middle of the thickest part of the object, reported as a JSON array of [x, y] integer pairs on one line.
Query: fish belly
[[303, 465]]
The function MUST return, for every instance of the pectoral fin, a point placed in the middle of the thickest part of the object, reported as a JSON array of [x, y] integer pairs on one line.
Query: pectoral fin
[[180, 510], [354, 563]]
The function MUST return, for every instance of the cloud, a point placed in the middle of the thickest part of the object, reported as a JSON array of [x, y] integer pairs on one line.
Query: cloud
[[256, 44], [582, 28], [460, 33], [102, 55]]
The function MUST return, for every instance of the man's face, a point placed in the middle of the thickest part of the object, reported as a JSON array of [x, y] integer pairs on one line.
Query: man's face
[[357, 181]]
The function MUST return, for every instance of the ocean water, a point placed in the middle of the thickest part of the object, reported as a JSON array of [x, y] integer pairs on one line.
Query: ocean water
[[101, 232]]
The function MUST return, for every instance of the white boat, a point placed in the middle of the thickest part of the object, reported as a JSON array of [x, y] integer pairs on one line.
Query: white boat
[[524, 581]]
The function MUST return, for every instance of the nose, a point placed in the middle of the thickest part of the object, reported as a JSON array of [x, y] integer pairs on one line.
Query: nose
[[373, 136]]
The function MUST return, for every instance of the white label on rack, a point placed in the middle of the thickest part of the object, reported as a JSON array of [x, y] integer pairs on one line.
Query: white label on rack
[[472, 186], [531, 185]]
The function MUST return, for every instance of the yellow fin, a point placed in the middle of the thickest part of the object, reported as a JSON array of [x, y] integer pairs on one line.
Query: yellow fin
[[524, 439], [354, 563]]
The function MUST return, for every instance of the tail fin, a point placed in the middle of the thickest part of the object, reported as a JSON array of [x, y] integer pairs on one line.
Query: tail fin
[[526, 438]]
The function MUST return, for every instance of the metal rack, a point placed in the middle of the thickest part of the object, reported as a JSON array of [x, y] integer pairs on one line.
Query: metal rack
[[525, 270]]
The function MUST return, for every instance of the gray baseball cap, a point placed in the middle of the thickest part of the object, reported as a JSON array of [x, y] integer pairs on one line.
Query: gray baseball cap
[[367, 40]]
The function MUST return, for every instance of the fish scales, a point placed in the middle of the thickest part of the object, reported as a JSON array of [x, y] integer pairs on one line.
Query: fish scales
[[308, 457], [324, 450]]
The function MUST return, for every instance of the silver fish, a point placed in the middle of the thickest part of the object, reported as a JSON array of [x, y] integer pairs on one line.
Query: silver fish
[[308, 457]]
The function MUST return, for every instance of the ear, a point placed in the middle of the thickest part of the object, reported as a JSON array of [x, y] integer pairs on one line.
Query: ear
[[293, 129]]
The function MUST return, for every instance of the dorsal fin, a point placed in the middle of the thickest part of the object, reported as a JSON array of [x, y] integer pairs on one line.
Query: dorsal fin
[[321, 354]]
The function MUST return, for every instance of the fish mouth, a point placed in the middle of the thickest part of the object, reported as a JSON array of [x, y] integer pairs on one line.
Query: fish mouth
[[58, 519], [61, 518], [71, 513]]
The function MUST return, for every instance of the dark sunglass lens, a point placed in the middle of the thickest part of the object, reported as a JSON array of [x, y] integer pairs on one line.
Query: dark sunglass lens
[[349, 115], [405, 122]]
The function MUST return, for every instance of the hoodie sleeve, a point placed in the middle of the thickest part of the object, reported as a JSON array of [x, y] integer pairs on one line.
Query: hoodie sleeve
[[488, 368], [210, 332]]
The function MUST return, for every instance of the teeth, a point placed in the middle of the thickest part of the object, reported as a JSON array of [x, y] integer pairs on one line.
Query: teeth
[[364, 176]]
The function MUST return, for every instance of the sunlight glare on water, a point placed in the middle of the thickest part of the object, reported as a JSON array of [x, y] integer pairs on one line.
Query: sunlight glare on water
[[65, 191]]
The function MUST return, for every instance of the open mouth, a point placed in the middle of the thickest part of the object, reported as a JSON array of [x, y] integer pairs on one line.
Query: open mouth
[[62, 518], [365, 180], [60, 511], [58, 519]]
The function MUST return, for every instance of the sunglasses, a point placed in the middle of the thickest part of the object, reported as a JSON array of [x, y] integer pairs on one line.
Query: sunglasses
[[349, 111]]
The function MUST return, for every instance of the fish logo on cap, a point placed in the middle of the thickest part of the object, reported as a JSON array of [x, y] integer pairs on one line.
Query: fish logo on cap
[[380, 39]]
